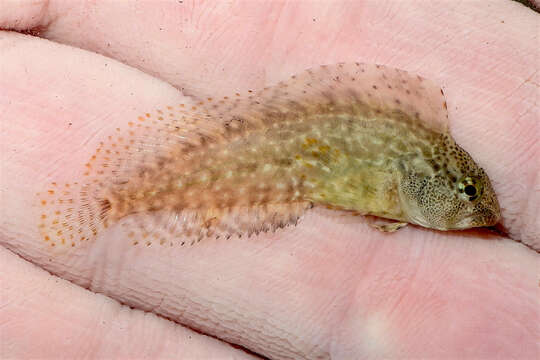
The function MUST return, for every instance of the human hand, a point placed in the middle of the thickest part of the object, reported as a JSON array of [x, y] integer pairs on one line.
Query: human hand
[[330, 287]]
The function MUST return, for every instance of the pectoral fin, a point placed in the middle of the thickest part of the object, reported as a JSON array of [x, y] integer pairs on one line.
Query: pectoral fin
[[390, 227], [386, 225]]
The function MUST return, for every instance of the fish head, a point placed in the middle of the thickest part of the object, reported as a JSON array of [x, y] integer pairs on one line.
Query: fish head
[[459, 195]]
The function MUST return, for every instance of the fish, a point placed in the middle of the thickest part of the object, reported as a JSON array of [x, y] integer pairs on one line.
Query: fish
[[356, 137]]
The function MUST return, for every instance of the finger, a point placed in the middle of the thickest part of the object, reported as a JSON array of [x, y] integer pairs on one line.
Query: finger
[[201, 49], [327, 288], [156, 42], [47, 317]]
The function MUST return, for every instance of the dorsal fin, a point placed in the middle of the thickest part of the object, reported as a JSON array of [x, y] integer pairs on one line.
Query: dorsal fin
[[375, 86]]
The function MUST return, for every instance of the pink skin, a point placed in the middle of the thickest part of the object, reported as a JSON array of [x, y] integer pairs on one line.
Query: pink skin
[[332, 286]]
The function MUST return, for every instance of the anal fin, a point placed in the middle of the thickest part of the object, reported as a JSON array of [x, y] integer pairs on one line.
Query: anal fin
[[191, 226]]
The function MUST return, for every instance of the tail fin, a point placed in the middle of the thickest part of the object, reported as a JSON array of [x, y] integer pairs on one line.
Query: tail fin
[[72, 213]]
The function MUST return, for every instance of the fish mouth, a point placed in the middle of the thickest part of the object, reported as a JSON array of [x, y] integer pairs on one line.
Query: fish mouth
[[489, 218]]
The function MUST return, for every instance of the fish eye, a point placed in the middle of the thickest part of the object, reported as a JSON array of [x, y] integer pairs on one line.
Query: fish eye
[[469, 188]]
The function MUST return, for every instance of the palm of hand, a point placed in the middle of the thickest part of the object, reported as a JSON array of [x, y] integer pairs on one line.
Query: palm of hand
[[329, 287]]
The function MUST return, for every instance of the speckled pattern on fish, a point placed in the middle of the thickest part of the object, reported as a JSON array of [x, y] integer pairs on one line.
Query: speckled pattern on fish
[[365, 138]]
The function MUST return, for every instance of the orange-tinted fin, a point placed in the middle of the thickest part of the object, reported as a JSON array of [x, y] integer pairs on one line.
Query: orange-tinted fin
[[71, 213]]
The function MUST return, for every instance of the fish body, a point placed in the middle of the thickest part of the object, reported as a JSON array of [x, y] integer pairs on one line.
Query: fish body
[[358, 137]]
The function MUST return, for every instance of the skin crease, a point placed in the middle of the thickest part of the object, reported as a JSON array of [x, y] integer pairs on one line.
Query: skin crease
[[332, 286]]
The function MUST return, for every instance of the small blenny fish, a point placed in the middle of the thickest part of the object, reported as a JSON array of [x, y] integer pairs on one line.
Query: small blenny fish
[[359, 137]]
